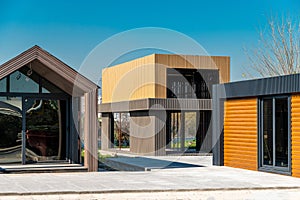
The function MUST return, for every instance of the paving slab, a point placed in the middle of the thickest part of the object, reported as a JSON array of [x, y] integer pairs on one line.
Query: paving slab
[[205, 182], [161, 180], [281, 194]]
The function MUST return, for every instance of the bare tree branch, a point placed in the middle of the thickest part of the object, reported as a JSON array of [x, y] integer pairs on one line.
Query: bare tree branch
[[278, 52]]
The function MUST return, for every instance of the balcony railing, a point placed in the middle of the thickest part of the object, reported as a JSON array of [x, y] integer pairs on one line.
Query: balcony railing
[[157, 104]]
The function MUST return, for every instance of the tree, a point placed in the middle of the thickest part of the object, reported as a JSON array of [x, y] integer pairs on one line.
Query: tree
[[278, 52]]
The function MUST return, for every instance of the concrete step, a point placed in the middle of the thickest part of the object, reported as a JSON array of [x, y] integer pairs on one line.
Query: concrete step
[[42, 168]]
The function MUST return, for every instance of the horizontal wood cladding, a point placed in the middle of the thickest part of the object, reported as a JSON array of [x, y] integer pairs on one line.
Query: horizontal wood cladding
[[240, 133], [146, 77], [295, 108]]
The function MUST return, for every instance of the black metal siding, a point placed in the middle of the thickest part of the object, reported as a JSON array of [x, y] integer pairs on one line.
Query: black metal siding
[[266, 86]]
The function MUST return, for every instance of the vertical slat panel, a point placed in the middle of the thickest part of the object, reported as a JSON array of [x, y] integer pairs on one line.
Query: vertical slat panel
[[129, 81], [240, 133], [160, 133], [90, 131], [142, 137], [295, 110], [160, 80]]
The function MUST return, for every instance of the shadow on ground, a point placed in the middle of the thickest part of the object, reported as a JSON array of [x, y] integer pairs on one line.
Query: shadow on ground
[[143, 164]]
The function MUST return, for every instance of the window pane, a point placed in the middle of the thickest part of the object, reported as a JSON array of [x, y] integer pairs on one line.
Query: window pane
[[190, 130], [10, 130], [45, 130], [281, 132], [180, 83], [20, 82], [48, 87], [3, 85], [267, 132], [174, 135], [190, 83]]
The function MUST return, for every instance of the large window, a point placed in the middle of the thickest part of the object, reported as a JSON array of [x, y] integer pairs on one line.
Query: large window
[[34, 119], [186, 130], [25, 80], [19, 82], [45, 129], [121, 137], [190, 83], [10, 130], [275, 139]]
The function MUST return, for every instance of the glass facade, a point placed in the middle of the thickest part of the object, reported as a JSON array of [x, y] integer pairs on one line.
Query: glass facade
[[45, 130], [190, 83], [3, 85], [19, 82], [33, 119], [10, 129], [186, 130], [268, 132]]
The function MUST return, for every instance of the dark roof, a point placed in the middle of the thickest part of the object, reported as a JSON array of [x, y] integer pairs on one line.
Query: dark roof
[[265, 86]]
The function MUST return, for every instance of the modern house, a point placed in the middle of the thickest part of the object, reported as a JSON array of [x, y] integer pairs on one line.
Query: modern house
[[256, 124], [48, 111], [168, 99]]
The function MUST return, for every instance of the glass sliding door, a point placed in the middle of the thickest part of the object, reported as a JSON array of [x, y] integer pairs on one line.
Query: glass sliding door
[[10, 130], [175, 133], [268, 132], [45, 129], [182, 131], [190, 131], [281, 132], [34, 119], [275, 134]]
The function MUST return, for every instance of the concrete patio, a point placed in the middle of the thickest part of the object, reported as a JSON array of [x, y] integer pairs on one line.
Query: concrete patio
[[168, 183]]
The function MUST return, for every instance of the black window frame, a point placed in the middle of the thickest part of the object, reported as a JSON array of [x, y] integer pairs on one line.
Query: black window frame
[[274, 169], [42, 83], [191, 83]]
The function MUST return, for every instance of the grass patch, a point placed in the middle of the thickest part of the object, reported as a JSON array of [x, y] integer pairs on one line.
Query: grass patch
[[191, 144]]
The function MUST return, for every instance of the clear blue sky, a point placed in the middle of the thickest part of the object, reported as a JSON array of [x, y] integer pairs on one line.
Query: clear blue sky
[[71, 29]]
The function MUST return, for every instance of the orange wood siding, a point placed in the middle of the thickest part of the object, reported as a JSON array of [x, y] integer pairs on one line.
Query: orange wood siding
[[295, 112], [240, 133]]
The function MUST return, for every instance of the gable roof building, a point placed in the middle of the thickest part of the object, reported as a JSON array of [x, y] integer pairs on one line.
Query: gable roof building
[[58, 111]]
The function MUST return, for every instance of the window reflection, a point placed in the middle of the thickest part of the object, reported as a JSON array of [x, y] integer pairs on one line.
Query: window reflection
[[45, 130], [275, 132], [10, 130], [20, 82], [27, 81], [3, 84]]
